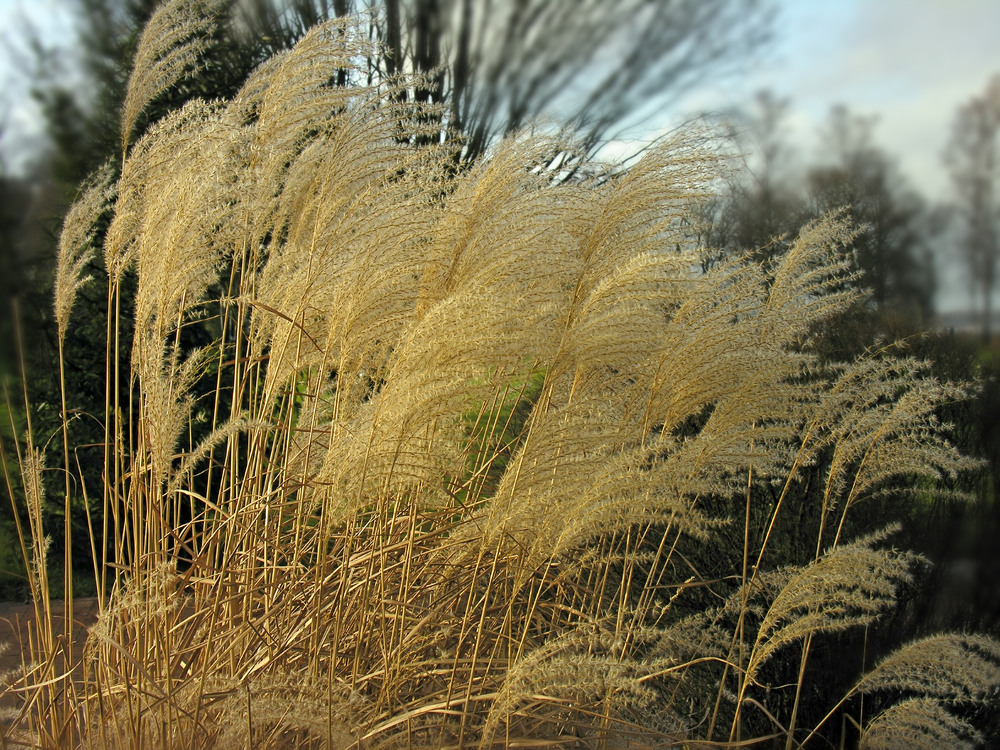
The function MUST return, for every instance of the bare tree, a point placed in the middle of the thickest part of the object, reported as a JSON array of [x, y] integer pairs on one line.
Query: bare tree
[[775, 195], [595, 66], [893, 249], [975, 169], [760, 206]]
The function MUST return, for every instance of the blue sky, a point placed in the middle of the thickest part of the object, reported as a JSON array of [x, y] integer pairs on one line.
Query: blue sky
[[910, 62]]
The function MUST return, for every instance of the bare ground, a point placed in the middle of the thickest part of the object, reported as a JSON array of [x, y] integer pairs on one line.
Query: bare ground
[[14, 635]]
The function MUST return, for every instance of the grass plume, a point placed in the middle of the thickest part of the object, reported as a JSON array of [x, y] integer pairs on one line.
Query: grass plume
[[168, 49], [433, 480]]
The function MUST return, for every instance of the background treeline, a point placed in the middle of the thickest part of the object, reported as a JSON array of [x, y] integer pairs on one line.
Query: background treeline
[[489, 88]]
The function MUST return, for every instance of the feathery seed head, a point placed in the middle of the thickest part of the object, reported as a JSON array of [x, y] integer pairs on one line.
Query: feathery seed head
[[76, 242]]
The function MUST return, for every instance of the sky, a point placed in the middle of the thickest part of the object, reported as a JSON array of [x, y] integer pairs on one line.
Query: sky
[[911, 63], [19, 116]]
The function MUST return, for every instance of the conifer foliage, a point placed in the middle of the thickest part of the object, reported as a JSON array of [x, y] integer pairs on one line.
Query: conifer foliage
[[458, 424]]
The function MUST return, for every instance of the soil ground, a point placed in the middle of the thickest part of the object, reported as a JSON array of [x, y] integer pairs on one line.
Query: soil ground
[[15, 616], [14, 620]]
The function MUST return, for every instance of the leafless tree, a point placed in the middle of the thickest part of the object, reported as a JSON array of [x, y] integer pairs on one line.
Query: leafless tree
[[893, 250], [974, 158], [595, 66], [760, 205]]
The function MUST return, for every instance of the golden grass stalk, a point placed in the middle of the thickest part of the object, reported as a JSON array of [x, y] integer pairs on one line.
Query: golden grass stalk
[[951, 667], [76, 245]]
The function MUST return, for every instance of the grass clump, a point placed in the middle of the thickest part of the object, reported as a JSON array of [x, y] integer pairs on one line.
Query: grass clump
[[432, 482]]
